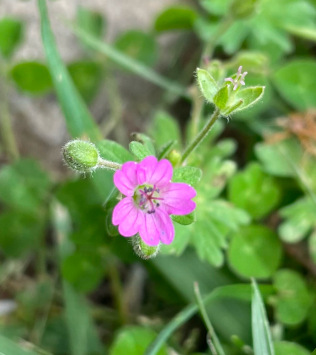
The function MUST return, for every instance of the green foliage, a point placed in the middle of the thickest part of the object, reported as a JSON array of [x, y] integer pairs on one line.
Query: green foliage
[[293, 300], [288, 348], [299, 220], [86, 76], [83, 270], [254, 191], [11, 31], [32, 77], [255, 251], [90, 21], [135, 339], [262, 341], [185, 220], [139, 150], [113, 151], [138, 45], [295, 83], [78, 119], [175, 18], [187, 174]]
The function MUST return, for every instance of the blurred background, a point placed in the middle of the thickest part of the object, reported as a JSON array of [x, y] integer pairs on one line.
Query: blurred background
[[113, 72]]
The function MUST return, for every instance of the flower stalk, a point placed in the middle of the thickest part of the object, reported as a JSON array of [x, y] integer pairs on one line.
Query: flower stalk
[[199, 138]]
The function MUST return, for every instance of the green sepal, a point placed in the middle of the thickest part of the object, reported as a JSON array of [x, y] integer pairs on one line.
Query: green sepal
[[166, 149], [143, 250], [249, 96], [207, 84], [221, 98], [186, 219]]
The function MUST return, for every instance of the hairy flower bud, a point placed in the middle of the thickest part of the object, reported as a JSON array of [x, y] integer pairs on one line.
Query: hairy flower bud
[[143, 250], [81, 156]]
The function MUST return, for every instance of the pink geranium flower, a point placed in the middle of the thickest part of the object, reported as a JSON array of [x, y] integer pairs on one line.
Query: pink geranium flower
[[150, 199]]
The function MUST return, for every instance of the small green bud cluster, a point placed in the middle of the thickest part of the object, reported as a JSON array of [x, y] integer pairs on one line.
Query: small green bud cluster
[[81, 156], [143, 250], [228, 96]]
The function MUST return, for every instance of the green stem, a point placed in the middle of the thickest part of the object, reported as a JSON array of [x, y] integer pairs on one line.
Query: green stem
[[102, 163], [199, 138], [5, 118], [215, 344]]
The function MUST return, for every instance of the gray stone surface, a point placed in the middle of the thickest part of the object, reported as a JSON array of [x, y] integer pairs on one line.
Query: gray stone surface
[[38, 122]]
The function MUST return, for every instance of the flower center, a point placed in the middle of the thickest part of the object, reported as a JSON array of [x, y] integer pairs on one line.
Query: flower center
[[147, 198]]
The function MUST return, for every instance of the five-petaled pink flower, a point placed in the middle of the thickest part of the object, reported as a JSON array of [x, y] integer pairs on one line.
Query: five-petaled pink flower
[[150, 199]]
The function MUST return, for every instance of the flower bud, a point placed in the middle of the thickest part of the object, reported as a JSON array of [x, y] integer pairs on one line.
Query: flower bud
[[143, 250], [81, 156], [174, 157]]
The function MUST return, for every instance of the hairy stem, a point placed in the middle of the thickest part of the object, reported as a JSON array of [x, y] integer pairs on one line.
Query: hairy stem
[[199, 138]]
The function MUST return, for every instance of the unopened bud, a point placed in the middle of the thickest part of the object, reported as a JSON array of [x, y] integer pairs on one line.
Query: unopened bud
[[174, 157], [81, 156], [143, 250]]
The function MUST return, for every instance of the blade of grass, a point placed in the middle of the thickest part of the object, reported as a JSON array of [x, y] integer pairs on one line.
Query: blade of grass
[[240, 292], [214, 342], [8, 347], [78, 119], [262, 341], [82, 333], [129, 63]]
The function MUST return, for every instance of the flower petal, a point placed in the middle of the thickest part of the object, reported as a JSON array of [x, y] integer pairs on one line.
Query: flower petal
[[145, 169], [177, 198], [162, 174], [130, 225], [122, 209], [125, 178], [157, 227]]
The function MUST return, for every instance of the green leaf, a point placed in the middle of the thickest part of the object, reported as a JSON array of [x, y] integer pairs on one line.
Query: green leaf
[[295, 82], [255, 251], [288, 348], [175, 18], [138, 45], [207, 84], [248, 96], [139, 150], [280, 159], [299, 220], [10, 35], [113, 151], [293, 299], [165, 129], [135, 339], [87, 76], [90, 21], [262, 341], [187, 174], [146, 141], [9, 347], [312, 246], [83, 270], [23, 185], [254, 191], [78, 119], [186, 219], [20, 232], [32, 77]]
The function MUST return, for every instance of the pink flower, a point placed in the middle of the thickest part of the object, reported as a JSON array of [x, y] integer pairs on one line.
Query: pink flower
[[239, 80], [150, 199]]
